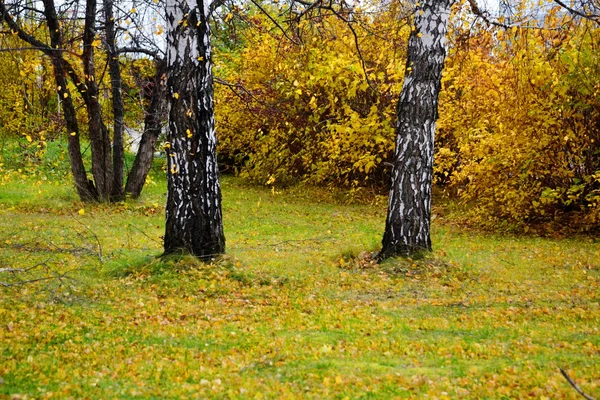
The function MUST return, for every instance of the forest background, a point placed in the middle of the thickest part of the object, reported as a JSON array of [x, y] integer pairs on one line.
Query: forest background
[[517, 139]]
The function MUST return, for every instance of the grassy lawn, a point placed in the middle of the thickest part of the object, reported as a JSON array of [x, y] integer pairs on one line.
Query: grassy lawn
[[295, 309]]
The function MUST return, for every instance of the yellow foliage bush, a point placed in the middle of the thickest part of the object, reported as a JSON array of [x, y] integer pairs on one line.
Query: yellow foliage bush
[[519, 128], [305, 112], [27, 99]]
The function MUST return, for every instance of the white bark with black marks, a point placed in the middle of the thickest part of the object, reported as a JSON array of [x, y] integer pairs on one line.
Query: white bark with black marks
[[407, 228], [194, 219]]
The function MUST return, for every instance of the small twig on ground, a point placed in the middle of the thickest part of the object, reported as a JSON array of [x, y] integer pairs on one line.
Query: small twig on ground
[[46, 278], [574, 385], [60, 278], [145, 234], [317, 239], [100, 256]]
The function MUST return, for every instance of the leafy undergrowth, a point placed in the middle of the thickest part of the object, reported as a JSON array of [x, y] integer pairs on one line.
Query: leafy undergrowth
[[296, 309]]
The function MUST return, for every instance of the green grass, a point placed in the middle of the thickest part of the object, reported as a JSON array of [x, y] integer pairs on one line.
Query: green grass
[[295, 309]]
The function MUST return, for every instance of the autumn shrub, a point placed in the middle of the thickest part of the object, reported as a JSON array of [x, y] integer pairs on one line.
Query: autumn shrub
[[519, 128], [305, 111], [519, 123], [28, 102]]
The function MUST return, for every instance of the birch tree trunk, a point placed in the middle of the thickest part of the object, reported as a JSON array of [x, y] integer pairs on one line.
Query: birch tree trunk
[[194, 221], [407, 229]]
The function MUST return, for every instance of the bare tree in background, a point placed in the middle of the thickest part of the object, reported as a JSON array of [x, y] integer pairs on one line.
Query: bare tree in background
[[63, 39]]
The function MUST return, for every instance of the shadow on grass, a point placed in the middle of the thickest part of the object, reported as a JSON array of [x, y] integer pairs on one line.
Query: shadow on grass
[[186, 267]]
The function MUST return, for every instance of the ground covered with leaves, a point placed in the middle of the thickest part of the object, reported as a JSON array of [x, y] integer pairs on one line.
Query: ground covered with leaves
[[297, 308]]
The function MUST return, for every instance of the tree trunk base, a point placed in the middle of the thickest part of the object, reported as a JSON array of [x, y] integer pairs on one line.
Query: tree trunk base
[[403, 250]]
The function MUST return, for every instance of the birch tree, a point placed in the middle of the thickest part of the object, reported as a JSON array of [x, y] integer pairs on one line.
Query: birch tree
[[407, 229], [194, 220]]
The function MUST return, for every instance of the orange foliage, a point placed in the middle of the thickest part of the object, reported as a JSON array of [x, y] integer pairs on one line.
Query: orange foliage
[[519, 128]]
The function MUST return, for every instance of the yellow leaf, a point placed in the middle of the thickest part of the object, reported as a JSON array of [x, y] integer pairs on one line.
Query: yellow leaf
[[176, 95], [81, 211]]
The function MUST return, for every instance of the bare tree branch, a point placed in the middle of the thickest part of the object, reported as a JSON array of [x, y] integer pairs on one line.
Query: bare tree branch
[[591, 17], [14, 27], [494, 22], [358, 50], [274, 22], [139, 50], [145, 234], [574, 385], [240, 87], [100, 256]]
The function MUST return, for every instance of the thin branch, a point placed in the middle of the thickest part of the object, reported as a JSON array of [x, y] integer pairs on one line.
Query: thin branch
[[489, 21], [11, 285], [153, 54], [13, 49], [477, 11], [12, 24], [358, 50], [242, 88], [309, 6], [329, 7], [46, 278], [145, 234], [26, 37], [100, 256], [591, 17], [316, 239], [574, 385], [274, 22]]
